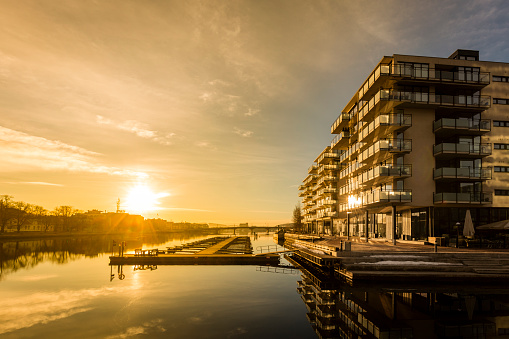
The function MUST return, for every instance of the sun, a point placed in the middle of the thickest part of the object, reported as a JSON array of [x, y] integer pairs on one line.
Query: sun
[[141, 198]]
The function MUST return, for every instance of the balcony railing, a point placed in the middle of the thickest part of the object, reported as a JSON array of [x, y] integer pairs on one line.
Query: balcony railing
[[386, 145], [462, 198], [341, 120], [386, 120], [385, 170], [463, 124], [312, 169], [463, 173], [462, 149], [424, 73], [381, 196], [340, 139], [328, 155]]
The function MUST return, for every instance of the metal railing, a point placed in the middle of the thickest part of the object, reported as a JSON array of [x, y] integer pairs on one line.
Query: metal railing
[[463, 173], [463, 198], [463, 124], [462, 148]]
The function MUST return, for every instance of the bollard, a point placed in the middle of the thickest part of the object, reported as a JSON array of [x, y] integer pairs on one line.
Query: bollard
[[436, 246]]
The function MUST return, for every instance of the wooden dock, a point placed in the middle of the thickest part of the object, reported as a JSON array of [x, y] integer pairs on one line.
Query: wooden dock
[[212, 251]]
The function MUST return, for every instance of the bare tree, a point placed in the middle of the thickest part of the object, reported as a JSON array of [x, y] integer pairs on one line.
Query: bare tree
[[5, 211], [22, 213], [297, 219], [64, 213]]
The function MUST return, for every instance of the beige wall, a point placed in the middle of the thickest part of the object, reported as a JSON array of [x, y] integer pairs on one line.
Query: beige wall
[[421, 182]]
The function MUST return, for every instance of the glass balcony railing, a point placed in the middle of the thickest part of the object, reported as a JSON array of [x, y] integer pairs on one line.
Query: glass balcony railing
[[463, 198], [424, 73], [385, 170], [328, 155], [462, 124], [381, 196], [341, 120], [386, 120], [340, 139], [462, 149], [463, 173]]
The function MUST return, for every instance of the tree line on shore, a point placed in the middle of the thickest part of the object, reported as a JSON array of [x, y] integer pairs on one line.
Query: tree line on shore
[[20, 216]]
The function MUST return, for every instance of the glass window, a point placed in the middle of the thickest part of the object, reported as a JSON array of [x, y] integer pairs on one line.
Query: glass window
[[500, 101], [502, 192], [499, 78], [501, 146], [500, 123]]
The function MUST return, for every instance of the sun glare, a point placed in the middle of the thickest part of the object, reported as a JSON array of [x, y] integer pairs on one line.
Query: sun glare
[[141, 199]]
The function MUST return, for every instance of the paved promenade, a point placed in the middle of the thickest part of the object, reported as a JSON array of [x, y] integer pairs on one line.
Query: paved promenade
[[360, 245]]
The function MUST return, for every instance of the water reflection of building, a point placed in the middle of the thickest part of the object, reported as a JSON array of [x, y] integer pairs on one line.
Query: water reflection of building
[[336, 310], [421, 141]]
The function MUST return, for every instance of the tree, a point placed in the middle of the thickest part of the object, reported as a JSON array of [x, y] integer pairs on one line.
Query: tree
[[64, 213], [5, 211], [22, 213], [297, 219]]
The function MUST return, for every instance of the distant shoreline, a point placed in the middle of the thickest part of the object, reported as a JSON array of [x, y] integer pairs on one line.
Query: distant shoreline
[[11, 236]]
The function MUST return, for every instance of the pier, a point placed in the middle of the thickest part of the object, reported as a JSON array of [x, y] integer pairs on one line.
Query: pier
[[211, 251], [406, 262]]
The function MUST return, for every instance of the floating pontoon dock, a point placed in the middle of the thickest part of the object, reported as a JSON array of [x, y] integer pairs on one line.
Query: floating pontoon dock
[[211, 251]]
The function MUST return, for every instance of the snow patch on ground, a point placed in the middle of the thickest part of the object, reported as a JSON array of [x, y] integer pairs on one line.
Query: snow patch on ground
[[394, 256], [406, 263]]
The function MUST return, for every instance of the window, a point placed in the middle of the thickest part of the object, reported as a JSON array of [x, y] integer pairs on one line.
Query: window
[[501, 146], [500, 123], [500, 101], [502, 192], [498, 78], [501, 168]]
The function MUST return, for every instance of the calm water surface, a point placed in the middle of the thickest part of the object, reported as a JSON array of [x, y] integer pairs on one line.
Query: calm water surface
[[65, 288]]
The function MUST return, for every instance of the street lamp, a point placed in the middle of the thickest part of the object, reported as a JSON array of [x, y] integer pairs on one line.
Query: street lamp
[[458, 225]]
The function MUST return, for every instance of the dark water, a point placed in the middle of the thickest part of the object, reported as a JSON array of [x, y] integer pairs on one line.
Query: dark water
[[65, 288]]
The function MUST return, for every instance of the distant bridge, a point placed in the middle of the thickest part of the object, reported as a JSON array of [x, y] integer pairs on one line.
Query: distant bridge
[[252, 229]]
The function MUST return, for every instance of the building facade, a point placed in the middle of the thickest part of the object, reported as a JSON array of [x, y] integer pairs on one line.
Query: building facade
[[422, 141]]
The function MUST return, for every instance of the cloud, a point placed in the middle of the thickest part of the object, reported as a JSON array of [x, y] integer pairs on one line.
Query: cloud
[[32, 183], [41, 308], [137, 128], [242, 133], [146, 327], [21, 151]]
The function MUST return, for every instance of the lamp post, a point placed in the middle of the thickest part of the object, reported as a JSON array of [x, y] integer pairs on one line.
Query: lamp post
[[458, 224]]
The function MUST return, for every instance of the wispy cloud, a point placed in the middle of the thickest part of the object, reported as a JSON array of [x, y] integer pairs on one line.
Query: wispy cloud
[[37, 183], [41, 308], [242, 132], [138, 128], [146, 327], [23, 151]]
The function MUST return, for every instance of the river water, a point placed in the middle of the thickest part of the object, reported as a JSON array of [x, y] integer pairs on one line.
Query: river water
[[65, 288]]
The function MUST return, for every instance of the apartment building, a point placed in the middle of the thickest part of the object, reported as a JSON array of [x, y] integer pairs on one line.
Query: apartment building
[[421, 142]]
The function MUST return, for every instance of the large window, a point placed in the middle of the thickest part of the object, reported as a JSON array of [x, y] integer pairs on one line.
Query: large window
[[498, 78], [501, 168], [500, 101], [501, 146], [502, 192], [499, 123]]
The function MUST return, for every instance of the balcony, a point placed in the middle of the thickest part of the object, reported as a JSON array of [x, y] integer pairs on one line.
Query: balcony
[[327, 156], [447, 173], [388, 123], [406, 72], [462, 126], [462, 198], [463, 149], [312, 169], [340, 123], [386, 145], [386, 196], [396, 171], [341, 140], [462, 101]]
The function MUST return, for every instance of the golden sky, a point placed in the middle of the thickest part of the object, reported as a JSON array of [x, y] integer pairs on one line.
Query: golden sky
[[216, 107]]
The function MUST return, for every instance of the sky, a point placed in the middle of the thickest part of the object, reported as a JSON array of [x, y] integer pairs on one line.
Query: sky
[[201, 111]]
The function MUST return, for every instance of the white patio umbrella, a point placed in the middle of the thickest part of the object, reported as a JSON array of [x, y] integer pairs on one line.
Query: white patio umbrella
[[468, 228]]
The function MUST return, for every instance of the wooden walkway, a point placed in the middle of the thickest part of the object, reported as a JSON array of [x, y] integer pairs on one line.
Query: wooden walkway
[[215, 254]]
